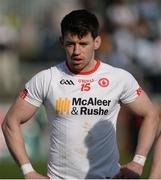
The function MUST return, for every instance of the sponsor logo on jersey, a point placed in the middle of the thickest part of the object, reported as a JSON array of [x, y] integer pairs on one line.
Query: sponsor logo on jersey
[[23, 93], [62, 106], [80, 106], [66, 82], [103, 82]]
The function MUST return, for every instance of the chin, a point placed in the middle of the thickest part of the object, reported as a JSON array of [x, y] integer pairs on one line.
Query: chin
[[76, 68]]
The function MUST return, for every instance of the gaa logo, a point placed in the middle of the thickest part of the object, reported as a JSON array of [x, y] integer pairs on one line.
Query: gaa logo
[[66, 82], [103, 82]]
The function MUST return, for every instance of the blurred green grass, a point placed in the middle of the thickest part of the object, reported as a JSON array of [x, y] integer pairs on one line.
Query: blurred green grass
[[9, 169]]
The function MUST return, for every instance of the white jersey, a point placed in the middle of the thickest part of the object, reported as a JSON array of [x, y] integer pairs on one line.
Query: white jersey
[[82, 110]]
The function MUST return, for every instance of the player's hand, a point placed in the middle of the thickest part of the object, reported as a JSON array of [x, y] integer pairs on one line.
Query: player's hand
[[35, 175], [132, 170]]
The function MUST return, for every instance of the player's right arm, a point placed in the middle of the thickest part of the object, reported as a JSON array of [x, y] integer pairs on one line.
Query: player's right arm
[[20, 112]]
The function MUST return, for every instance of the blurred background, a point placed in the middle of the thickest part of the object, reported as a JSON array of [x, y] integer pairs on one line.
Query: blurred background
[[29, 42]]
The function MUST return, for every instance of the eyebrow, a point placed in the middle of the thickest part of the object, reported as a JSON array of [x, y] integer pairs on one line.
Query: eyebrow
[[81, 41]]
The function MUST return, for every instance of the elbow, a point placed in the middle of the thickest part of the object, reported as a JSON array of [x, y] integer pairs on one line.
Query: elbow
[[152, 118], [155, 118], [7, 126], [158, 121], [3, 126], [153, 113]]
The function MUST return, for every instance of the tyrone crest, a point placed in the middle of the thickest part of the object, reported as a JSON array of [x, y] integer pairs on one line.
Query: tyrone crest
[[103, 82]]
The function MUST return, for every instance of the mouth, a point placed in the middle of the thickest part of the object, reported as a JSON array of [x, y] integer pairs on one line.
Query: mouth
[[76, 60]]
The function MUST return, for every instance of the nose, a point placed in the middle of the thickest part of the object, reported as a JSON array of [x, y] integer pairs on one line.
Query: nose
[[76, 50]]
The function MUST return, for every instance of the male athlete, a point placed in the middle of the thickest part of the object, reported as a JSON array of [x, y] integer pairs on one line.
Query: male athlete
[[82, 97]]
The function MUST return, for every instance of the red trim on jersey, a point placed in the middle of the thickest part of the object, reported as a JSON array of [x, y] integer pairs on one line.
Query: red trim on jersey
[[23, 93], [139, 91], [87, 72]]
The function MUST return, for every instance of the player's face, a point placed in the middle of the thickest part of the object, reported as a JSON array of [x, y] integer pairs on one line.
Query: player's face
[[80, 51]]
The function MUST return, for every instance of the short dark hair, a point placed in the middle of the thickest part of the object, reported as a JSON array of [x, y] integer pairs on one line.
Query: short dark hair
[[80, 22]]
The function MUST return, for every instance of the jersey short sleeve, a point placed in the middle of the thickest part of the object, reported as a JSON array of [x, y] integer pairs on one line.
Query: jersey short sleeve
[[37, 88], [130, 88]]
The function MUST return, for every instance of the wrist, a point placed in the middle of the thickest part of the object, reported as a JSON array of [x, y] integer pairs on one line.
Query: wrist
[[140, 159], [26, 168]]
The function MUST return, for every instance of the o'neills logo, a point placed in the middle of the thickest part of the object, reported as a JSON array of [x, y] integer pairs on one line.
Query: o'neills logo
[[79, 106]]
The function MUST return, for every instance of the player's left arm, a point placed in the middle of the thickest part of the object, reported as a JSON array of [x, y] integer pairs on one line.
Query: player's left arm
[[155, 172], [143, 107]]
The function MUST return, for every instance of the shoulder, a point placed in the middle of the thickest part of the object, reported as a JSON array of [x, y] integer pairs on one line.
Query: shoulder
[[43, 73], [115, 71], [47, 73], [59, 67], [42, 76]]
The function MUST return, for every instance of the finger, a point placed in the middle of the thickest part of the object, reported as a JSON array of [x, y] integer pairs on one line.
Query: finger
[[118, 176]]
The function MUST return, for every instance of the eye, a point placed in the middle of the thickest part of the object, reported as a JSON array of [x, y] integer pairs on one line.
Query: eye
[[83, 44], [69, 44]]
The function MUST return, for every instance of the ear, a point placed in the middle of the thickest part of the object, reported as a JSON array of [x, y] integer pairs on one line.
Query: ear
[[61, 40], [97, 42]]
